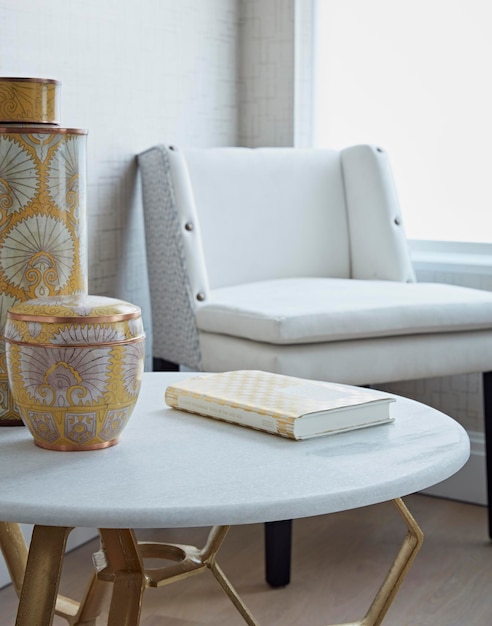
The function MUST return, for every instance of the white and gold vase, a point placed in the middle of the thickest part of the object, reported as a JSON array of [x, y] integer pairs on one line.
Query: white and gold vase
[[75, 368], [43, 239]]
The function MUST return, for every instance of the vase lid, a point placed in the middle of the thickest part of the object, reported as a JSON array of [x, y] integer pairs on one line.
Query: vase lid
[[83, 307], [29, 100], [77, 320]]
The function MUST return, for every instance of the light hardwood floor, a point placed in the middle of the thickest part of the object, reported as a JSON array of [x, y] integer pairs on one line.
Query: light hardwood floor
[[338, 563]]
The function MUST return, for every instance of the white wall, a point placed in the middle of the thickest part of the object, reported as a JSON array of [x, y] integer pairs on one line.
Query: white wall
[[266, 73], [275, 72]]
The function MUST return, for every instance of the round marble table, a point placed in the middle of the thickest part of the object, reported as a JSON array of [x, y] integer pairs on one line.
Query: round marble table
[[173, 469]]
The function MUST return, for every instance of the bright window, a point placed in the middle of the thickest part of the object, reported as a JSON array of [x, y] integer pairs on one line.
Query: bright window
[[414, 76]]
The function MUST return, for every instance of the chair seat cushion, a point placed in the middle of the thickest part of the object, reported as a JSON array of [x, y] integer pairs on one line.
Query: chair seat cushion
[[309, 310]]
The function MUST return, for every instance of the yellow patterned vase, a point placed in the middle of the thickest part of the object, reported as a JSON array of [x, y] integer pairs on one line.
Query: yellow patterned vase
[[43, 240], [75, 367]]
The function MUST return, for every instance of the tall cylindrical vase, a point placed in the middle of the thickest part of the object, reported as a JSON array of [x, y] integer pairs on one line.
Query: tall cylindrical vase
[[43, 237]]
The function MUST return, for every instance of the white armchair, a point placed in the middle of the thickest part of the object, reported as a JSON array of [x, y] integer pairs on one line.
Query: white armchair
[[295, 261]]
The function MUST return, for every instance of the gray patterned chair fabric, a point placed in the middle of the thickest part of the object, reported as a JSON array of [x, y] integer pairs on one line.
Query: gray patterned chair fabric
[[175, 335], [296, 261]]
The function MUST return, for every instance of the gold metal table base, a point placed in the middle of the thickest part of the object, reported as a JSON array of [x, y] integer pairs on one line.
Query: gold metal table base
[[36, 576], [121, 562], [397, 572]]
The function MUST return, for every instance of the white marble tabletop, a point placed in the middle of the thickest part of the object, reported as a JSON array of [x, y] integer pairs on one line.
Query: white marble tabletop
[[173, 469]]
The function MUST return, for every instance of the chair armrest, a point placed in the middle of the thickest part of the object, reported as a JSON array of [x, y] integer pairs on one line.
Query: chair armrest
[[379, 248]]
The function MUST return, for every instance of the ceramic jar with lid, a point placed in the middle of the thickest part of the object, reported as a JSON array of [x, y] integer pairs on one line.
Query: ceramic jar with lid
[[75, 366]]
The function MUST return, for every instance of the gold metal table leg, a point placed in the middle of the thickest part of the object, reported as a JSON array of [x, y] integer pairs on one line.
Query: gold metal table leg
[[128, 576], [86, 612], [404, 559], [15, 551], [44, 565], [397, 572], [122, 557]]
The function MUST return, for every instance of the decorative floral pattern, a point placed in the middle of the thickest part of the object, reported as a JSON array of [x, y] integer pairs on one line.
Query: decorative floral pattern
[[133, 366], [28, 100], [6, 301], [19, 178], [44, 426], [43, 144], [35, 329], [64, 377], [89, 334], [136, 327], [4, 398], [63, 175], [80, 428], [114, 423], [37, 255]]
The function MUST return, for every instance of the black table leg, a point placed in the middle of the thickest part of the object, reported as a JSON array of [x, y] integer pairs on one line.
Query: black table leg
[[161, 365], [278, 548], [487, 403]]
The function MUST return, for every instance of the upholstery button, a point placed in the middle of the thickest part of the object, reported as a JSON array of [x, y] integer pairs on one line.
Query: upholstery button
[[200, 296], [189, 226], [397, 221]]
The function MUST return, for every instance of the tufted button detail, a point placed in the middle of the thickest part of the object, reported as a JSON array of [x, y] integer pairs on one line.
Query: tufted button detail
[[200, 296], [172, 148], [189, 226], [397, 221]]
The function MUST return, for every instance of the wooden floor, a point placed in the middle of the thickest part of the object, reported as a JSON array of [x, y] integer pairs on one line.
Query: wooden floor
[[338, 563]]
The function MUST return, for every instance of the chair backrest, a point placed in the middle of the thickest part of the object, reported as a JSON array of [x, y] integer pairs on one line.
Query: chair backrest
[[217, 217], [269, 213]]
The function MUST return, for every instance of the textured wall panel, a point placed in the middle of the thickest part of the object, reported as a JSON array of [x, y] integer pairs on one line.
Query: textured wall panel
[[266, 72]]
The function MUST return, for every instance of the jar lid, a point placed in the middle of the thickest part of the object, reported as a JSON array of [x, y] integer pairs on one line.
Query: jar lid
[[86, 308], [77, 321], [30, 100]]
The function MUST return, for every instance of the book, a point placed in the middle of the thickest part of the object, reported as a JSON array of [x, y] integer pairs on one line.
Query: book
[[288, 406]]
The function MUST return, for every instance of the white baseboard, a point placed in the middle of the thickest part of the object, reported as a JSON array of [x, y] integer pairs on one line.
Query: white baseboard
[[77, 537], [469, 484]]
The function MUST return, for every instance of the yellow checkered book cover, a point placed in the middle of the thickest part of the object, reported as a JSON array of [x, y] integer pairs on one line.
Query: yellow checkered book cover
[[284, 405]]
